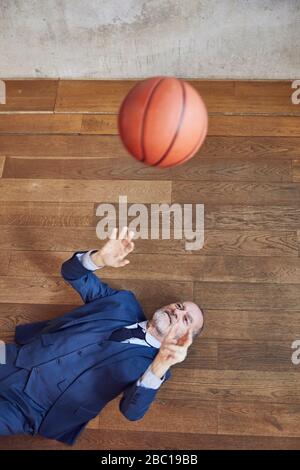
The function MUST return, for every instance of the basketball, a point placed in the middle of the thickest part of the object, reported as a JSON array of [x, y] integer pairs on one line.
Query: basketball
[[162, 121]]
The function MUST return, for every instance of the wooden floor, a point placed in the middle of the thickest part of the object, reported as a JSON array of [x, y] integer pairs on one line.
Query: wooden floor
[[60, 157]]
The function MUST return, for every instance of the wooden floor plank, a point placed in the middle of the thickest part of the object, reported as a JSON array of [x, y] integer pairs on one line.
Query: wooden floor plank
[[40, 123], [211, 192], [259, 419], [255, 355], [100, 124], [53, 230], [230, 354], [91, 95], [296, 171], [108, 146], [281, 126], [4, 262], [247, 296], [220, 96], [2, 163], [232, 386], [54, 290], [219, 125], [249, 147], [260, 325], [45, 214], [172, 267], [125, 167], [92, 439], [166, 416], [30, 95], [84, 191], [246, 217], [57, 146], [247, 96]]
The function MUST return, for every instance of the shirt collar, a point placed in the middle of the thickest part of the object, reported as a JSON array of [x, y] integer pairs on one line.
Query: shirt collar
[[149, 338]]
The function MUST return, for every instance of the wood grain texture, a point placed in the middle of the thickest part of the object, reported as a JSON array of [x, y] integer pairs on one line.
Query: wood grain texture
[[232, 386], [166, 416], [258, 217], [261, 325], [126, 167], [54, 290], [281, 126], [100, 146], [123, 440], [296, 171], [247, 296], [2, 162], [100, 124], [44, 214], [220, 96], [46, 227], [40, 123], [83, 191], [30, 95], [259, 419], [238, 387], [210, 192], [219, 125], [57, 146], [91, 95], [189, 267]]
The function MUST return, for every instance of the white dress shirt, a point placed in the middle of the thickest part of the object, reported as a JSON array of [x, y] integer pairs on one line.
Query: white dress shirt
[[148, 380]]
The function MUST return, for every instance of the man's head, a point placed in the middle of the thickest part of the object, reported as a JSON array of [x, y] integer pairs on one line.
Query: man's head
[[185, 314]]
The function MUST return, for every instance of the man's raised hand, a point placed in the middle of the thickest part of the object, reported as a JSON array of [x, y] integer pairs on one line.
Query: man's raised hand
[[114, 251], [174, 350]]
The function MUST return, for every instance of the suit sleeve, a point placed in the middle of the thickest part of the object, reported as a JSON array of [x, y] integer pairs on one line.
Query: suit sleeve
[[83, 280], [136, 400]]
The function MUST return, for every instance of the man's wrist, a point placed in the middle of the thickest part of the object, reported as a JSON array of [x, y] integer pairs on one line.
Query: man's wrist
[[97, 258], [159, 368]]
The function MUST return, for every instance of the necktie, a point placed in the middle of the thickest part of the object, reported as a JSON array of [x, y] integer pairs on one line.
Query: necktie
[[126, 333]]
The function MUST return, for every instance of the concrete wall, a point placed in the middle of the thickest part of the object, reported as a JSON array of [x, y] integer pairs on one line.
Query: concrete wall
[[139, 38]]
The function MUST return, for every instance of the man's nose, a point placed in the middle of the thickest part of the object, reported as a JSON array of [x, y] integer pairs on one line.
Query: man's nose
[[178, 313]]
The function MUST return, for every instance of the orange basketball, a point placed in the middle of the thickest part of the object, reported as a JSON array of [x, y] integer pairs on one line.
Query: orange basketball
[[163, 121]]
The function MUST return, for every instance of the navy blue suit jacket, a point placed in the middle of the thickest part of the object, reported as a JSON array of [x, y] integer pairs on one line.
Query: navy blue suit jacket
[[120, 364]]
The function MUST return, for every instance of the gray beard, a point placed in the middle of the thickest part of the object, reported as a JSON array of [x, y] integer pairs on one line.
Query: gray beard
[[155, 320]]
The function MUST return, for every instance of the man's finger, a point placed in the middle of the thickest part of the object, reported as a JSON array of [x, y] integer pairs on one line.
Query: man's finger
[[113, 235], [123, 233], [183, 339], [130, 235], [129, 247], [171, 333], [190, 337], [124, 263], [174, 348], [186, 339]]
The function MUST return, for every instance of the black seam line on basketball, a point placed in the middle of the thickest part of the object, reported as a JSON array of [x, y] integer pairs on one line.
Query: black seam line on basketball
[[194, 149], [144, 118], [178, 127]]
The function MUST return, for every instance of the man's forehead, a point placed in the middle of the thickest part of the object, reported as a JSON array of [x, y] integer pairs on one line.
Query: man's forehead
[[193, 309]]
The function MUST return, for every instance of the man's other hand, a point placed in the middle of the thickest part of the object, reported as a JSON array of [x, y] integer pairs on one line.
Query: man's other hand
[[114, 251]]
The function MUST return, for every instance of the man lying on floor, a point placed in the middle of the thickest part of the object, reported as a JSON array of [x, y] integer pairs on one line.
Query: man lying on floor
[[61, 373]]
